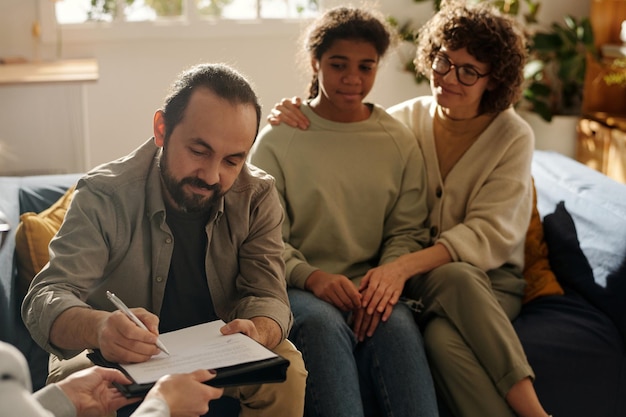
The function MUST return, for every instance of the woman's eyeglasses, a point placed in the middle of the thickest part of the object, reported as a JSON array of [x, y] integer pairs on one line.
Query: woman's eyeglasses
[[466, 74]]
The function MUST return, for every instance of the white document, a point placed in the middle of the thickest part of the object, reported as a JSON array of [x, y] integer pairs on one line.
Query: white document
[[198, 347]]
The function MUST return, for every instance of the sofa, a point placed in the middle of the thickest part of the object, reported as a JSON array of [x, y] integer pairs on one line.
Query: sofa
[[20, 195], [575, 341]]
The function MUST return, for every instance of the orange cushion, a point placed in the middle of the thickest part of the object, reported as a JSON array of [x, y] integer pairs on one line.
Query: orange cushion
[[540, 280], [32, 237]]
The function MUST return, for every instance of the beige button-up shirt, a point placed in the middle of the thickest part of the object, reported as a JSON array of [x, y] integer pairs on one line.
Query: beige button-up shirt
[[114, 237]]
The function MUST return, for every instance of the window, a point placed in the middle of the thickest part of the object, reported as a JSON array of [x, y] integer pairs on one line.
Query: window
[[81, 11], [88, 20]]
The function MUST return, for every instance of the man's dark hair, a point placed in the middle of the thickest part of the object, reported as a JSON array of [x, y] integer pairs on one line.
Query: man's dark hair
[[221, 79]]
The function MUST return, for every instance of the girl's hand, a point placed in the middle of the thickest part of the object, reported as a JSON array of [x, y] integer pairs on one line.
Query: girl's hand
[[335, 289]]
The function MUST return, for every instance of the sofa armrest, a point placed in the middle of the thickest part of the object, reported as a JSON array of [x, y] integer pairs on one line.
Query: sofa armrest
[[596, 203], [19, 195]]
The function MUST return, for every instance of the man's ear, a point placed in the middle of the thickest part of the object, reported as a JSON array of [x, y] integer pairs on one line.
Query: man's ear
[[159, 128]]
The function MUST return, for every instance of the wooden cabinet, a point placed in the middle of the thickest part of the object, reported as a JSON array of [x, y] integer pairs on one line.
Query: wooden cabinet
[[601, 131], [601, 144], [606, 18], [602, 93], [605, 78]]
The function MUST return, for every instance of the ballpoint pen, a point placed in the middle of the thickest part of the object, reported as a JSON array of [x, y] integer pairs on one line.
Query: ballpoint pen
[[124, 309]]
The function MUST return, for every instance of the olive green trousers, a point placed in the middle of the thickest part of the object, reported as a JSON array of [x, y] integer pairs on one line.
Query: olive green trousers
[[474, 353]]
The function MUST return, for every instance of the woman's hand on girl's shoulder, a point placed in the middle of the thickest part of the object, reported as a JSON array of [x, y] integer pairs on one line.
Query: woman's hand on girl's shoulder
[[288, 112]]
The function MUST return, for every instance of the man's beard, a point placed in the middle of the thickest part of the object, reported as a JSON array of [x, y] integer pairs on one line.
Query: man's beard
[[188, 201]]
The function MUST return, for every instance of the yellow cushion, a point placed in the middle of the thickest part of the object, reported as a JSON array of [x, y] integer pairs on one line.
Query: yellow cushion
[[32, 237], [540, 280]]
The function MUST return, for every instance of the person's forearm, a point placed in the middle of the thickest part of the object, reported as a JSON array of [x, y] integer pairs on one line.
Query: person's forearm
[[269, 331], [52, 398], [425, 260], [77, 328]]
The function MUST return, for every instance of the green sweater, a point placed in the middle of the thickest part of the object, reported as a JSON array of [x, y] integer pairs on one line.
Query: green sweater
[[354, 194]]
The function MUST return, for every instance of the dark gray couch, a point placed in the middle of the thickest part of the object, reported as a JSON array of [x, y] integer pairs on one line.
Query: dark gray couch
[[575, 343]]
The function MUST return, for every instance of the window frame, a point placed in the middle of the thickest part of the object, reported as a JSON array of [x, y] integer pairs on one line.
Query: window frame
[[190, 26]]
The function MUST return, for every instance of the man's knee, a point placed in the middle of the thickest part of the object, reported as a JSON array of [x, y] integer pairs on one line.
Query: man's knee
[[59, 369], [296, 372], [276, 399]]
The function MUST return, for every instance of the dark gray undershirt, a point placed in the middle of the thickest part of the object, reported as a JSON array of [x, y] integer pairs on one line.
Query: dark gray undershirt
[[187, 299]]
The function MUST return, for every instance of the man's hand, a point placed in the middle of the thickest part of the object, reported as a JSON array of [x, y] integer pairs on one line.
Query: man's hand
[[288, 112], [335, 289], [244, 326], [91, 392], [262, 329], [186, 394], [121, 340], [117, 336]]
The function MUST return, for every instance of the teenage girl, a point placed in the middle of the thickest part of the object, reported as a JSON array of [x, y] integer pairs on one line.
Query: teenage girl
[[353, 190]]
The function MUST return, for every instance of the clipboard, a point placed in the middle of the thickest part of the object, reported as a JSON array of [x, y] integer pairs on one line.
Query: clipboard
[[265, 371], [237, 360]]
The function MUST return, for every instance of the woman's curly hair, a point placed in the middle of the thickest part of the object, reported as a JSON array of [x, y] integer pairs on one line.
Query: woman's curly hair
[[489, 36]]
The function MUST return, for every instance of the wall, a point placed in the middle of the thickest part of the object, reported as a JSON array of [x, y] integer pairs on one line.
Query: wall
[[67, 128]]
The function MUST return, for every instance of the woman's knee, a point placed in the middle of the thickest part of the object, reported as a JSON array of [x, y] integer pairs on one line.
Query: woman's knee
[[459, 273], [455, 280]]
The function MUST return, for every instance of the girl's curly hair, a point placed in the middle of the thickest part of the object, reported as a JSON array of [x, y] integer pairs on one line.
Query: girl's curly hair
[[489, 36]]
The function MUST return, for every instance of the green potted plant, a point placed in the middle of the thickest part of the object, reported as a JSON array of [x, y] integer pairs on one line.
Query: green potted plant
[[556, 68]]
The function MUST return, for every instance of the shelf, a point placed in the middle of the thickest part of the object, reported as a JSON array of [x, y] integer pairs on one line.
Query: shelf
[[63, 71], [608, 119], [602, 146]]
